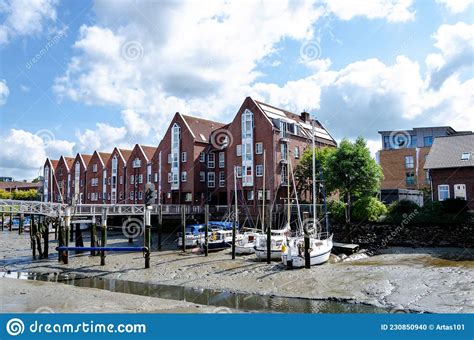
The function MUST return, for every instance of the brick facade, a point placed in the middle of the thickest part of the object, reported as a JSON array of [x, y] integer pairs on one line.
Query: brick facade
[[79, 178], [116, 184], [63, 179], [452, 177], [139, 172], [95, 179], [50, 186]]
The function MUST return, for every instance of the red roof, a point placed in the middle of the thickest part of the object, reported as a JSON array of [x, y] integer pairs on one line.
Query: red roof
[[149, 151], [126, 153], [201, 128]]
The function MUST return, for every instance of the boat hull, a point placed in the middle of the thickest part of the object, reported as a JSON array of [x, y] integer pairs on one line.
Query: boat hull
[[245, 249], [299, 261], [261, 254]]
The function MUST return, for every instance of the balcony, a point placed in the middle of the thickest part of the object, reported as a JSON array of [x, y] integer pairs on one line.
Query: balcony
[[283, 161]]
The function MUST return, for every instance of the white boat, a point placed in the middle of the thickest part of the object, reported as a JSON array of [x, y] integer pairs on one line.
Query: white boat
[[277, 239], [247, 242], [219, 239], [293, 251]]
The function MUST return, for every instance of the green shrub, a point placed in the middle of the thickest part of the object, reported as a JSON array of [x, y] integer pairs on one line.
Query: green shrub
[[336, 210], [402, 207], [454, 206], [368, 209]]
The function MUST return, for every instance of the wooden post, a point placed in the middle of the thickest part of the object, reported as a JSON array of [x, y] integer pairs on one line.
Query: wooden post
[[67, 227], [307, 258], [160, 225], [20, 224], [3, 220], [236, 217], [45, 223], [206, 230], [147, 237], [103, 235], [93, 235], [60, 227], [79, 241], [56, 229], [11, 222], [33, 236], [183, 226], [71, 232]]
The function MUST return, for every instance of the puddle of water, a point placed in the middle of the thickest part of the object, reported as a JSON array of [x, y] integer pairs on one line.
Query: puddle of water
[[424, 261], [209, 297]]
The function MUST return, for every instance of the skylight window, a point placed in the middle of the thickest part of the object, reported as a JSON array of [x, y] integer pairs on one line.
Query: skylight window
[[466, 156]]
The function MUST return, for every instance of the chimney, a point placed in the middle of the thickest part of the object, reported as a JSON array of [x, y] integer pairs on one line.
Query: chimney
[[304, 116]]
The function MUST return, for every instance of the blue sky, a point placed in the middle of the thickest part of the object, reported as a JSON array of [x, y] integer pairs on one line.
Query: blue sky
[[76, 76]]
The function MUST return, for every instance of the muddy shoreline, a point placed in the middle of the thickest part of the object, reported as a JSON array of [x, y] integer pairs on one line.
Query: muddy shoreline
[[437, 280]]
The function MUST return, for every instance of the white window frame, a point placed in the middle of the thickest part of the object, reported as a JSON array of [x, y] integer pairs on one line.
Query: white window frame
[[444, 188], [140, 178], [465, 191], [297, 152], [221, 179], [94, 167], [202, 176], [184, 157], [259, 148], [259, 170], [250, 195], [184, 176], [156, 177], [211, 160], [211, 183], [202, 157], [238, 170], [169, 177], [238, 150], [221, 160], [409, 165]]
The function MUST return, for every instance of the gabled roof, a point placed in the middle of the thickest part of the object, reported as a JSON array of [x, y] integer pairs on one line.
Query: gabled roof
[[68, 161], [125, 153], [103, 157], [54, 163], [148, 151], [274, 114], [201, 128], [446, 152]]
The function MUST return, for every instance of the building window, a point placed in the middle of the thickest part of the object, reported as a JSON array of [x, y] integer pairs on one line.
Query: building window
[[140, 195], [247, 148], [238, 150], [466, 156], [211, 179], [131, 195], [259, 170], [221, 179], [202, 157], [184, 157], [108, 181], [413, 143], [460, 191], [297, 152], [188, 197], [250, 195], [137, 163], [238, 170], [409, 162], [121, 179], [140, 178], [169, 177], [149, 178], [443, 192], [169, 158], [202, 176], [175, 152], [410, 178], [156, 177], [428, 140], [184, 176], [132, 179], [211, 162], [221, 160], [427, 177], [284, 151], [259, 148], [94, 167]]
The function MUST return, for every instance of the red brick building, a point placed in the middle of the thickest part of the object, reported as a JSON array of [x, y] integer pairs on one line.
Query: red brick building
[[180, 164], [451, 167], [139, 172], [96, 169], [115, 177], [63, 179], [79, 178], [283, 135], [50, 186]]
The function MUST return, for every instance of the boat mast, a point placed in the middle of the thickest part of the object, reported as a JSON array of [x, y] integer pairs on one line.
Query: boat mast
[[235, 196], [288, 213], [314, 174], [263, 195]]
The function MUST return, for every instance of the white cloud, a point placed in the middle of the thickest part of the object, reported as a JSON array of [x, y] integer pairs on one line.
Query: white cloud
[[456, 45], [25, 17], [26, 152], [4, 92], [135, 124], [456, 6], [391, 10], [103, 138]]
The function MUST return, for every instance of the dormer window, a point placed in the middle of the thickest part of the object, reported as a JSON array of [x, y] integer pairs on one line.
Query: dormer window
[[466, 156], [137, 163]]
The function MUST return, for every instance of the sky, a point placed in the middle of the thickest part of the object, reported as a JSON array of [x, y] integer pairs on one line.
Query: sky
[[79, 76]]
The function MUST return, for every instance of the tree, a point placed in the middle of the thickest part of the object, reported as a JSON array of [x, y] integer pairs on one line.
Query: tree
[[304, 169], [352, 171]]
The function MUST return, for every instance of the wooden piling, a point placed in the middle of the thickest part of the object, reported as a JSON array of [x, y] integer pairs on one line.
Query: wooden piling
[[3, 221], [33, 237], [206, 230], [307, 255], [147, 237], [45, 223], [60, 228], [20, 224], [160, 225], [11, 222], [67, 228], [183, 226], [103, 235], [93, 235]]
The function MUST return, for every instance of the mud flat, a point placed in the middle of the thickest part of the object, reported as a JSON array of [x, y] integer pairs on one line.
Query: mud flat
[[438, 280]]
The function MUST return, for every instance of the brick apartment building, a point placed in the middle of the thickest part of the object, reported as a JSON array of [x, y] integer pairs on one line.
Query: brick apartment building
[[96, 169], [79, 178], [50, 187], [451, 167], [194, 162], [62, 177], [403, 156]]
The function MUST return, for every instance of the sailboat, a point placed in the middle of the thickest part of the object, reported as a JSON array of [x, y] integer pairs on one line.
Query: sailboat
[[320, 243], [277, 237]]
